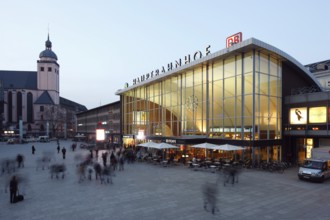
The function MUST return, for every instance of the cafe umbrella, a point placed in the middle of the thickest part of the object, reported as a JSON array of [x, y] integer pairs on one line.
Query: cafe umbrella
[[164, 147], [148, 144], [205, 146], [229, 147]]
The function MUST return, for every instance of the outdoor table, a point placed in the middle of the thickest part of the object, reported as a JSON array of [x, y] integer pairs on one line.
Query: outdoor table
[[164, 163], [195, 165], [213, 168], [226, 165]]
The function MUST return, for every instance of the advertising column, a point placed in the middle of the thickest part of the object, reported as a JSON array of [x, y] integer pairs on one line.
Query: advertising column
[[100, 135]]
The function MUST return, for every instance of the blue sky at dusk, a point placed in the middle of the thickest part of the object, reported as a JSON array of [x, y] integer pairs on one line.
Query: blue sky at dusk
[[103, 44]]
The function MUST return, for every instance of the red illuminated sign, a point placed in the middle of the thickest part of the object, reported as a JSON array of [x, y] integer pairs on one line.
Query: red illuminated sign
[[233, 39]]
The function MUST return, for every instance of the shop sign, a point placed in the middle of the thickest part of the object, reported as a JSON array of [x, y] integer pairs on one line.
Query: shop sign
[[298, 116], [317, 115], [170, 141], [173, 65]]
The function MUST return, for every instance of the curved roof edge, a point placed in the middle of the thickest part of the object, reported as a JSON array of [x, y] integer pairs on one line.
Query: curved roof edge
[[235, 47], [288, 57]]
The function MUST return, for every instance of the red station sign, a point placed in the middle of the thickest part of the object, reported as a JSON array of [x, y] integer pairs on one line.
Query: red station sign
[[233, 39]]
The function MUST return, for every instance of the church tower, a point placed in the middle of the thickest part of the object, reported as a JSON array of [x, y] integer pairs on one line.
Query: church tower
[[49, 73]]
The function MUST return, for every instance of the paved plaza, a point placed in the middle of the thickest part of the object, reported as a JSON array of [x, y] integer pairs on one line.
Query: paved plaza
[[149, 192]]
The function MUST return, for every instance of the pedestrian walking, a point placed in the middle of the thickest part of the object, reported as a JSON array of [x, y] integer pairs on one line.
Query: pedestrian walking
[[73, 146], [121, 163], [106, 175], [91, 151], [97, 170], [13, 186], [210, 194], [33, 149], [104, 158], [230, 175], [20, 160], [63, 152]]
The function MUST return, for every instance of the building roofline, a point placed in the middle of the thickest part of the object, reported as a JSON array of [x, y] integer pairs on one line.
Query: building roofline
[[242, 46], [99, 107]]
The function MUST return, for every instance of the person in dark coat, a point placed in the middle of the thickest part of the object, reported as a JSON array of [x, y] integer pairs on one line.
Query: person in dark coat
[[33, 149], [210, 191], [20, 160], [63, 152], [98, 170], [13, 186], [104, 158], [58, 149]]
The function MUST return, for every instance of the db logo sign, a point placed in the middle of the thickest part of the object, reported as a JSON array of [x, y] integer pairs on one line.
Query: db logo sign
[[233, 39]]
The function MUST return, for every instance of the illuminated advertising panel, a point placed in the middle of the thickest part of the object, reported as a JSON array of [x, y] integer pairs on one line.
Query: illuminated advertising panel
[[140, 135], [298, 116], [100, 134], [317, 115]]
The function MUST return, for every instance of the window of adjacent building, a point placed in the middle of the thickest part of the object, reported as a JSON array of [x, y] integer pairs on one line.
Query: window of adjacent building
[[19, 104], [42, 68], [42, 108], [29, 107], [10, 106], [49, 69]]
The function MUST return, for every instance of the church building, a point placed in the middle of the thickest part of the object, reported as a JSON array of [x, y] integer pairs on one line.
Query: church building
[[30, 100]]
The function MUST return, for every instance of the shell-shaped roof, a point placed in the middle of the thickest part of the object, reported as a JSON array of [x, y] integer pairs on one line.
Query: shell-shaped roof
[[248, 44]]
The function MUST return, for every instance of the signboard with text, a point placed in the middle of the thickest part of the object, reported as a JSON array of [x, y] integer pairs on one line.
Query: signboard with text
[[233, 39]]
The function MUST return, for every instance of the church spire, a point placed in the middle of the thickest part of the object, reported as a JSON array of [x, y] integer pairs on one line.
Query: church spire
[[48, 53], [48, 44]]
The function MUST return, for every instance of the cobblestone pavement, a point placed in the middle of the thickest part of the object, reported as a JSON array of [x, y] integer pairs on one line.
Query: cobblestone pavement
[[146, 192]]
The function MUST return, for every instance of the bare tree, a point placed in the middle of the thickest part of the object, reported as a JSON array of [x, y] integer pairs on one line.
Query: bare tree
[[56, 117]]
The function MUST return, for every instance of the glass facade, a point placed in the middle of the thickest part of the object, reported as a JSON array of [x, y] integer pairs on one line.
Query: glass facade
[[235, 97]]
